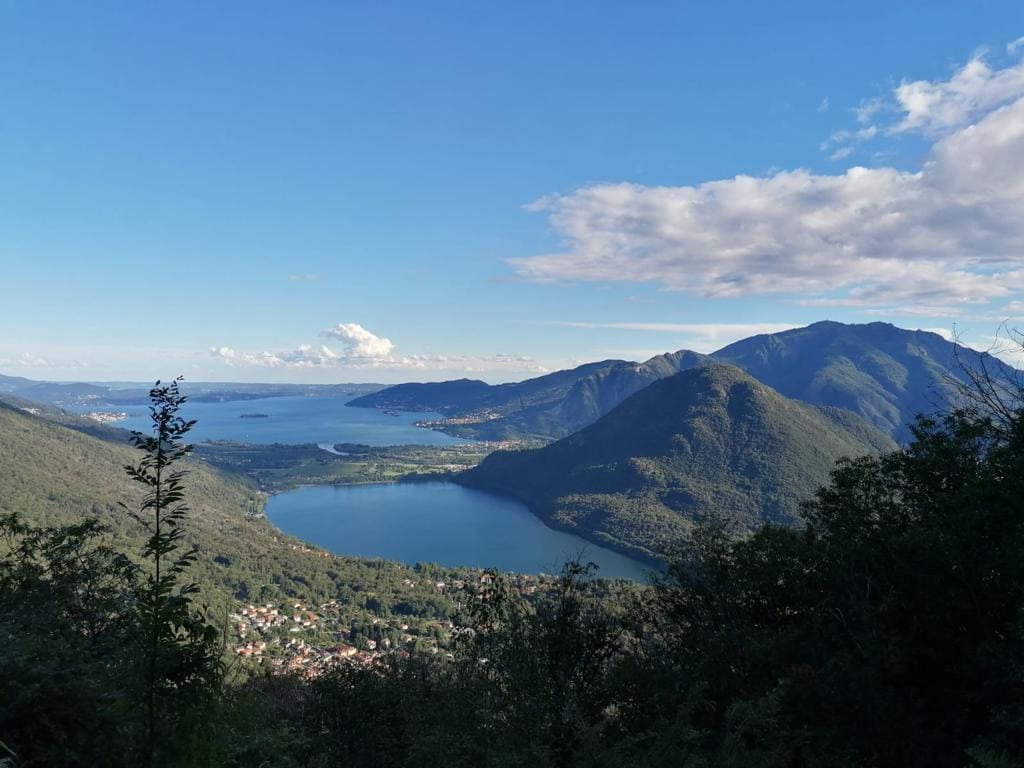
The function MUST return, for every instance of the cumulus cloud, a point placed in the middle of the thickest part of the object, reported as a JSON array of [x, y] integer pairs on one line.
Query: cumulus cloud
[[946, 235], [303, 356], [26, 360], [934, 108], [32, 360], [360, 343], [364, 349]]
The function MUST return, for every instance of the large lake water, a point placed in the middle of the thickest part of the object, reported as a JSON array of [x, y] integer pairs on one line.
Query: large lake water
[[296, 420], [436, 522]]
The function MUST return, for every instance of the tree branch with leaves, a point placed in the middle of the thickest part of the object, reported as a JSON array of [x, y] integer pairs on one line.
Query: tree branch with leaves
[[179, 646]]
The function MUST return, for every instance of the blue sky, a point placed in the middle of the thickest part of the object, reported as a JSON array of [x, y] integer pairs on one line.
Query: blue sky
[[398, 191]]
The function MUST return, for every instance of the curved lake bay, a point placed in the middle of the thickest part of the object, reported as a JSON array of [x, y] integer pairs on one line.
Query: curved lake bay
[[436, 522]]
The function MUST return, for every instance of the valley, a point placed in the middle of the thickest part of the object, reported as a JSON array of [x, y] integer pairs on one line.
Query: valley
[[653, 447]]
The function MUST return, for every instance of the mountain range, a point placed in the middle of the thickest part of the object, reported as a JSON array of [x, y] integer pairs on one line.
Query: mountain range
[[108, 395], [883, 373], [743, 434]]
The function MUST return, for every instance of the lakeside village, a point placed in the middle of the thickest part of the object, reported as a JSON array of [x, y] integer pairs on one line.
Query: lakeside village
[[106, 417], [294, 637]]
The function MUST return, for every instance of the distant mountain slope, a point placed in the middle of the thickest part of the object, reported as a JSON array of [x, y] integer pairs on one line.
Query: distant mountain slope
[[543, 408], [445, 397], [468, 396], [710, 440], [599, 393], [79, 394], [64, 418], [886, 374], [13, 383]]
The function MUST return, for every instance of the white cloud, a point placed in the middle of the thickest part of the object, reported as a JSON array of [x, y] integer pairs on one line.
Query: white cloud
[[364, 349], [945, 333], [700, 337], [1008, 346], [935, 108], [303, 278], [843, 136], [303, 356], [916, 310], [1014, 46], [32, 360], [360, 343], [946, 235], [25, 360], [866, 112], [824, 105], [473, 363]]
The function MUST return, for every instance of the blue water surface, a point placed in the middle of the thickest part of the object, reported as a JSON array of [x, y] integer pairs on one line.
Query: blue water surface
[[436, 522], [296, 420]]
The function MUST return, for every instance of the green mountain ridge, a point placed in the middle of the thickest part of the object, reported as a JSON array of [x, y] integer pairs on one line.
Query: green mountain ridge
[[707, 442], [886, 374], [528, 400]]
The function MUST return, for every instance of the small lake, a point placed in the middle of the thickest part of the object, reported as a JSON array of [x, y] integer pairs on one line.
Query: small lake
[[295, 420], [436, 522]]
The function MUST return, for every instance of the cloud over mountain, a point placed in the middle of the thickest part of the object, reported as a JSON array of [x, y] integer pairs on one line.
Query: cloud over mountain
[[947, 234]]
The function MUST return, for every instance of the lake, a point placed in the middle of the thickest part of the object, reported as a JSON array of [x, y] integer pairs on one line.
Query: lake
[[295, 420], [436, 522]]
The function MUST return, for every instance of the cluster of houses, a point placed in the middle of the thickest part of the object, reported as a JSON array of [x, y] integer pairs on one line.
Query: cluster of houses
[[295, 638], [105, 417], [283, 636], [479, 417]]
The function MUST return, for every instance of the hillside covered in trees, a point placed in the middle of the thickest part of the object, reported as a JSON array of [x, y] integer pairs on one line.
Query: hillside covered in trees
[[709, 443]]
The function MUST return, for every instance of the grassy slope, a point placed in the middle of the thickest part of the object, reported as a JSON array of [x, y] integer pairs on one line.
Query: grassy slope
[[708, 441]]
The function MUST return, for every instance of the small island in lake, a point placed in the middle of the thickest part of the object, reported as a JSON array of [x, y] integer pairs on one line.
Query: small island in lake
[[254, 416]]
